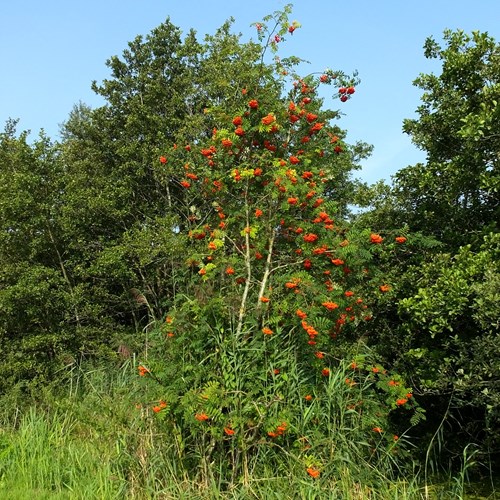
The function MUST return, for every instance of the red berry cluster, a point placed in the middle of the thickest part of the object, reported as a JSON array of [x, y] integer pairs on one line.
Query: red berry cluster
[[345, 93]]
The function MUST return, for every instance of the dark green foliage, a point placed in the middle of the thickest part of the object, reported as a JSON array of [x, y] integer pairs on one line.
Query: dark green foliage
[[35, 295], [455, 193], [442, 326]]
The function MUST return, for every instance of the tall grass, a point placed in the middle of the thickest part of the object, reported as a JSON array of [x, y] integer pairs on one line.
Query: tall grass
[[46, 458], [95, 443]]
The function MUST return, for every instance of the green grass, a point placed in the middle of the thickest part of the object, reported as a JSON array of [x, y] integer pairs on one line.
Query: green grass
[[45, 457], [95, 443]]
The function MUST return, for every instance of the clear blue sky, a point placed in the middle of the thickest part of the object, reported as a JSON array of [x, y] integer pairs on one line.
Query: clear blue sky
[[51, 50]]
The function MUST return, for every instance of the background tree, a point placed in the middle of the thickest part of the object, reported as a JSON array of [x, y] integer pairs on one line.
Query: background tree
[[455, 194], [125, 214], [442, 329], [38, 309]]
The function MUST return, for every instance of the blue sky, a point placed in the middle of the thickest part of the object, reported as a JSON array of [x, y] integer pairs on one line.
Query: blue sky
[[51, 51]]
